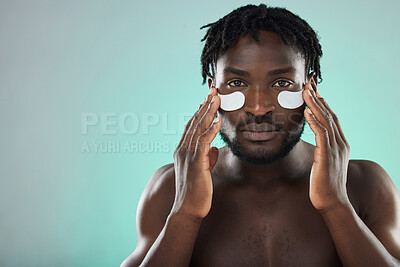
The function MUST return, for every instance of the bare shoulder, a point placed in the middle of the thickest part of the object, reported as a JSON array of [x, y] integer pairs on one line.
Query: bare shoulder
[[161, 185], [371, 185], [153, 208], [157, 199], [379, 202]]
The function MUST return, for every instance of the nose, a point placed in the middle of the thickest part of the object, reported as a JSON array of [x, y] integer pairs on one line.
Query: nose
[[259, 101]]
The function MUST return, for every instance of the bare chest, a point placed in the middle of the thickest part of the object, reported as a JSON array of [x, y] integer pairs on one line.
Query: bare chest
[[254, 231]]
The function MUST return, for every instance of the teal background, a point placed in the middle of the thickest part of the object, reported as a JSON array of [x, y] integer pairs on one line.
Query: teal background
[[62, 205]]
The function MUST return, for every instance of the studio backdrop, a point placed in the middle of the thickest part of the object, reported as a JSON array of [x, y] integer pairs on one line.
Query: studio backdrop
[[94, 96]]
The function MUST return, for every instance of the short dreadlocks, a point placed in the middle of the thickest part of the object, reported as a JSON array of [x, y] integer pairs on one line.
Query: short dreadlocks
[[250, 18]]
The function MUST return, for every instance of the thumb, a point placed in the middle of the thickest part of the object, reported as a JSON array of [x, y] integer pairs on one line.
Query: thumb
[[213, 156]]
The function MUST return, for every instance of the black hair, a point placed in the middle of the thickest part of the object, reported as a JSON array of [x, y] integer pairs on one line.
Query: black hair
[[221, 34]]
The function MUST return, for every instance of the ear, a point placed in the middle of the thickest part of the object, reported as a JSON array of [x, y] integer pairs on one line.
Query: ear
[[312, 79], [210, 82]]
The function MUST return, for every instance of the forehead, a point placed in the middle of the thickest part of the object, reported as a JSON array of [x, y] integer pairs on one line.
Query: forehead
[[269, 53]]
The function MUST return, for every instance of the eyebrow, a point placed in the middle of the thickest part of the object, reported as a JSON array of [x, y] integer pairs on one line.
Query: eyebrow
[[289, 69], [236, 71]]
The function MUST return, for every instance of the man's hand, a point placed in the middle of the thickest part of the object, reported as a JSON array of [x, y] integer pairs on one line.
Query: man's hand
[[331, 155], [194, 160]]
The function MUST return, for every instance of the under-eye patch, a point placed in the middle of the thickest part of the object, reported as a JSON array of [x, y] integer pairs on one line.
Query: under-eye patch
[[287, 99], [232, 101], [290, 100]]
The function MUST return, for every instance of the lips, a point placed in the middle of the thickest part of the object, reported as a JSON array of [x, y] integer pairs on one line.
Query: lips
[[259, 127], [259, 132]]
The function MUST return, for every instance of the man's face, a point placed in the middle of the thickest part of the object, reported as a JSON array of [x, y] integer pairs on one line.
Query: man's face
[[261, 70]]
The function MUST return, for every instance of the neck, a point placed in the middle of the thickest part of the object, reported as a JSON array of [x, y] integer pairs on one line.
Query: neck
[[287, 170]]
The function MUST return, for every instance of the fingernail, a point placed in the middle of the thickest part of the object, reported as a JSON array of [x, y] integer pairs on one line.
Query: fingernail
[[309, 110], [204, 100], [213, 99], [217, 120], [309, 92]]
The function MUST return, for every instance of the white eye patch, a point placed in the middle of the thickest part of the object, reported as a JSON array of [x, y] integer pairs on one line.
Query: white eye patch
[[232, 101], [286, 99], [290, 100]]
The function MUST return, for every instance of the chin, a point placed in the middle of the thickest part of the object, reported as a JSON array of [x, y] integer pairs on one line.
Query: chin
[[260, 152]]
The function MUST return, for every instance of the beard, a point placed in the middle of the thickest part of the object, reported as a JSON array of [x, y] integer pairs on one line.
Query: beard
[[260, 156]]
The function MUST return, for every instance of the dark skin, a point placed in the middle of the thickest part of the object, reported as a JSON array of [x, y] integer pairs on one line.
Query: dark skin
[[315, 207]]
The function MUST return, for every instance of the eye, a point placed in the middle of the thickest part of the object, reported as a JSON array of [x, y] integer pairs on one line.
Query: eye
[[235, 83], [282, 83]]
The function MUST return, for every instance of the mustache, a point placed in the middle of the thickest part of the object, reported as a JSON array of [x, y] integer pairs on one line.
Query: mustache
[[267, 118]]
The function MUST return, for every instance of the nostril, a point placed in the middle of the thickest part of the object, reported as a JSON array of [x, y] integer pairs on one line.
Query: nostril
[[260, 109]]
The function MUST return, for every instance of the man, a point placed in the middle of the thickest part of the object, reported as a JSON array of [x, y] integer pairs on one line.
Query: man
[[267, 198]]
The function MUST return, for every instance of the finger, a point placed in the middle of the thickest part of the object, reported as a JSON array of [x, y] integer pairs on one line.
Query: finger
[[321, 114], [213, 156], [313, 89], [330, 116], [187, 126], [338, 127], [205, 122], [205, 139], [197, 117], [187, 134], [203, 102], [321, 133]]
